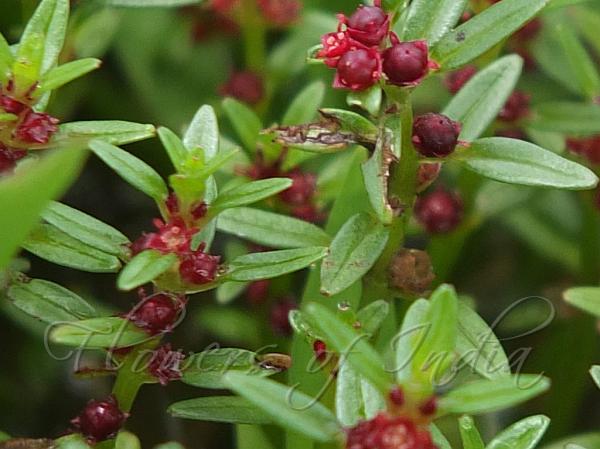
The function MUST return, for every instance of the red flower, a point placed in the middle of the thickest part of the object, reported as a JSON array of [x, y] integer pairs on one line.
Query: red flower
[[245, 86], [199, 267], [335, 45], [165, 364], [100, 420], [36, 128], [172, 237], [387, 432], [12, 106], [157, 313]]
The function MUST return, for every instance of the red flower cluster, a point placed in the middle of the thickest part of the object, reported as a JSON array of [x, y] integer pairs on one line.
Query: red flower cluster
[[360, 54], [388, 432], [588, 148], [439, 212], [165, 364], [245, 86], [100, 420], [157, 313]]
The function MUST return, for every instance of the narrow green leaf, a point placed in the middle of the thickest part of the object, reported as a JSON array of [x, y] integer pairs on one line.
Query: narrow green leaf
[[518, 162], [567, 118], [175, 149], [584, 298], [286, 406], [99, 333], [303, 327], [352, 253], [6, 60], [248, 193], [353, 346], [229, 291], [349, 406], [375, 177], [478, 103], [438, 438], [410, 338], [595, 373], [352, 122], [524, 434], [303, 108], [471, 439], [230, 409], [48, 302], [133, 170], [79, 134], [372, 316], [482, 32], [369, 100], [484, 396], [60, 248], [203, 132], [245, 122], [587, 440], [266, 265], [431, 19], [143, 268], [59, 76], [271, 229], [23, 200], [86, 228]]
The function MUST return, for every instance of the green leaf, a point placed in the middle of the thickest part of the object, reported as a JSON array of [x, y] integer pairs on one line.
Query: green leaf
[[303, 108], [287, 407], [248, 193], [352, 122], [59, 76], [6, 60], [482, 32], [369, 100], [595, 373], [345, 340], [352, 253], [85, 228], [524, 434], [303, 327], [432, 19], [471, 439], [54, 245], [410, 338], [245, 122], [518, 162], [582, 64], [72, 441], [23, 200], [375, 177], [438, 438], [133, 170], [567, 118], [150, 3], [584, 298], [99, 333], [266, 265], [271, 229], [127, 440], [176, 150], [484, 396], [477, 345], [203, 132], [229, 291], [143, 268], [80, 134], [349, 406], [230, 409], [206, 369], [372, 316], [48, 302], [478, 103], [587, 440]]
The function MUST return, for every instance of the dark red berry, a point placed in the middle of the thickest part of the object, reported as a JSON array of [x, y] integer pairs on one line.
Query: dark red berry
[[245, 86], [279, 317], [302, 189], [157, 313], [439, 212], [397, 396], [588, 148], [406, 63], [435, 135], [368, 25], [320, 350], [455, 81], [165, 364], [9, 158], [257, 291], [36, 128], [429, 407], [516, 107], [358, 69], [199, 267], [100, 420], [11, 106], [388, 432], [280, 13]]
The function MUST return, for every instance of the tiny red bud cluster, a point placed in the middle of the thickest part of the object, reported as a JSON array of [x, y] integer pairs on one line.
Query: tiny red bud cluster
[[439, 212], [100, 420], [435, 135], [588, 148], [388, 432], [364, 50], [157, 313], [245, 86], [165, 364]]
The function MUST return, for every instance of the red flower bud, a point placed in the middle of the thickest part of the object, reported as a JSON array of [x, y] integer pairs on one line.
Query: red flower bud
[[407, 63], [172, 237], [368, 25], [429, 407], [100, 420], [257, 291], [588, 148], [439, 212], [157, 313], [280, 13], [516, 107], [455, 81], [302, 189], [12, 106], [245, 86], [199, 267], [435, 135], [165, 364], [358, 69], [36, 128], [397, 396], [387, 432], [320, 350]]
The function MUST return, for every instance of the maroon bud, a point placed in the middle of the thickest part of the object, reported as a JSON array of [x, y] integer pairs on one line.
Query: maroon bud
[[435, 135], [406, 63], [12, 106], [397, 396], [257, 291], [388, 432], [157, 313], [199, 267], [368, 25], [245, 86], [429, 407], [308, 212], [9, 158], [165, 364], [427, 175], [280, 13], [100, 420], [455, 81], [199, 210], [279, 317], [439, 212], [36, 128], [588, 148], [320, 350], [516, 107], [529, 31], [302, 189], [358, 69]]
